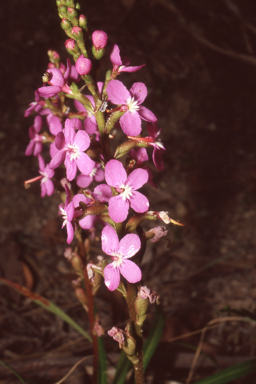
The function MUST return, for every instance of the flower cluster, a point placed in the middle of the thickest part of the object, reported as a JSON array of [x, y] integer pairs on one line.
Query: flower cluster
[[100, 189]]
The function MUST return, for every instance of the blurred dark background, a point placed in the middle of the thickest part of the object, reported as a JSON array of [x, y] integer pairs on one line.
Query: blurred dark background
[[200, 72]]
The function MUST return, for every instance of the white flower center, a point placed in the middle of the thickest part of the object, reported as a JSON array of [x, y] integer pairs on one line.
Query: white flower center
[[73, 151], [64, 216], [127, 193], [93, 172], [117, 260], [159, 145], [45, 177], [132, 105]]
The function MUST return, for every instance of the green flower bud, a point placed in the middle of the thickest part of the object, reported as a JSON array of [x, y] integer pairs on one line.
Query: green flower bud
[[82, 21], [98, 53], [65, 24]]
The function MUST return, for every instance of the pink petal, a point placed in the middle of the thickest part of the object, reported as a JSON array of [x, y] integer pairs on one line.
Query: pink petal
[[83, 181], [129, 245], [111, 277], [70, 232], [55, 125], [49, 187], [79, 106], [115, 56], [30, 148], [69, 131], [38, 148], [131, 123], [57, 78], [146, 114], [71, 168], [153, 130], [118, 208], [57, 159], [117, 92], [38, 122], [137, 178], [139, 202], [139, 92], [77, 123], [49, 172], [49, 91], [70, 209], [115, 174], [41, 163], [60, 141], [109, 240], [82, 140], [88, 221], [85, 163], [130, 271], [53, 150], [131, 69], [43, 190], [80, 197], [102, 193], [99, 176], [90, 125]]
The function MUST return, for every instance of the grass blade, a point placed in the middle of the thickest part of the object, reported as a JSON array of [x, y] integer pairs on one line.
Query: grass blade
[[232, 373], [46, 304], [13, 371]]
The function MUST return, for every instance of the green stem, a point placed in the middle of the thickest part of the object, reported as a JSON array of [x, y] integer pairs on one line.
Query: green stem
[[130, 299]]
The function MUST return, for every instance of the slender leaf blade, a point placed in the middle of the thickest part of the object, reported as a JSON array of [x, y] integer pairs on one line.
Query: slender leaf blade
[[122, 369], [102, 367], [46, 304], [13, 371], [232, 373], [154, 337]]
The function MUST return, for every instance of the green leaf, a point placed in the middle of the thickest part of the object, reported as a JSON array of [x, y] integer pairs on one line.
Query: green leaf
[[122, 368], [46, 304], [13, 371], [154, 337], [102, 367], [229, 374]]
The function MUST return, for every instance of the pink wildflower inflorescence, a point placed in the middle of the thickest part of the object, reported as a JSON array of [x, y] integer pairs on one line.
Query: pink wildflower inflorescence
[[100, 191]]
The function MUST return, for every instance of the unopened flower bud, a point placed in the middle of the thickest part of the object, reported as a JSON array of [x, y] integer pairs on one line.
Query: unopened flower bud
[[72, 13], [70, 3], [82, 21], [62, 10], [83, 65], [99, 39], [98, 53], [65, 24], [81, 295], [71, 46], [77, 33], [77, 263]]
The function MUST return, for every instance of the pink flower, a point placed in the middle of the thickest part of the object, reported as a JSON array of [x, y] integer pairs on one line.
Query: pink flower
[[97, 174], [116, 176], [58, 81], [47, 187], [71, 147], [35, 145], [83, 65], [152, 141], [120, 65], [35, 106], [99, 39], [120, 252], [67, 211], [130, 103]]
